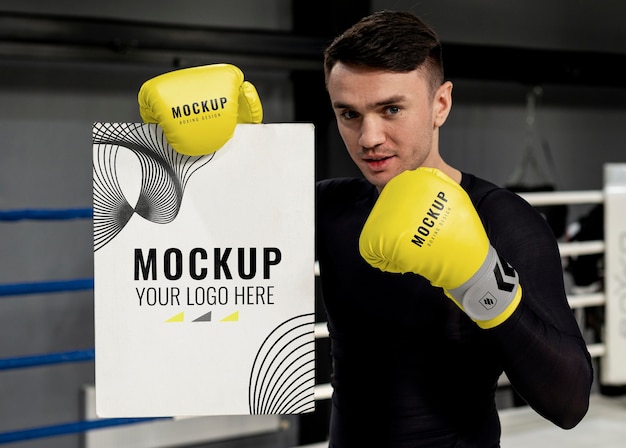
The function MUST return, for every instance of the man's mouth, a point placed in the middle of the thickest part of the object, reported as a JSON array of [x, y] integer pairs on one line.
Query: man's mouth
[[377, 163]]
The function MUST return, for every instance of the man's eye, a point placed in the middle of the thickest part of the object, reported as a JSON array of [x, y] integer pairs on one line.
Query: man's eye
[[393, 110], [349, 114]]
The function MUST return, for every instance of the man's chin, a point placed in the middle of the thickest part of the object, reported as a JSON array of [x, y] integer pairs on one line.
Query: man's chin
[[379, 179]]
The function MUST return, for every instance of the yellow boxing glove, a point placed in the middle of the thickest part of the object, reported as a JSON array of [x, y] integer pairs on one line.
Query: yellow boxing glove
[[425, 223], [199, 107]]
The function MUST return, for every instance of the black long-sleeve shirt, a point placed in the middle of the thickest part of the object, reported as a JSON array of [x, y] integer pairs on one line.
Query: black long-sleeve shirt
[[410, 369]]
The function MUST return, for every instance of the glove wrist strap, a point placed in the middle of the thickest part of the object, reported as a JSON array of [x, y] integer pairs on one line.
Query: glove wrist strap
[[491, 295]]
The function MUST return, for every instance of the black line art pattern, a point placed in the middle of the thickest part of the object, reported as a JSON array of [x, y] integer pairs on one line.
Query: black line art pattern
[[282, 379], [164, 176]]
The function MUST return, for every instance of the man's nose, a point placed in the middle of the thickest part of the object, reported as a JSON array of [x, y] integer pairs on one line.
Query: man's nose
[[372, 133]]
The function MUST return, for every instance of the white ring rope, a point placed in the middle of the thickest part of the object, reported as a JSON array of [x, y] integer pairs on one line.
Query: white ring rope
[[581, 248], [586, 300], [564, 197]]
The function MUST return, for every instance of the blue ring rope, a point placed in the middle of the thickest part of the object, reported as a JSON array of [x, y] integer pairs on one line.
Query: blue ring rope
[[53, 358], [16, 289], [64, 428], [51, 286], [70, 428], [46, 214], [47, 359]]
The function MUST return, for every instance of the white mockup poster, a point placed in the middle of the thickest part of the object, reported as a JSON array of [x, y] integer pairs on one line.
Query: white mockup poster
[[203, 273]]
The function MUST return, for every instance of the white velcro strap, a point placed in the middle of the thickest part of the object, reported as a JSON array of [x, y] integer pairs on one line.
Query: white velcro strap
[[490, 290]]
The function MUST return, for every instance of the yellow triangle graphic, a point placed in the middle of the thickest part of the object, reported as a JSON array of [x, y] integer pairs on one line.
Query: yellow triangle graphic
[[231, 317], [180, 317]]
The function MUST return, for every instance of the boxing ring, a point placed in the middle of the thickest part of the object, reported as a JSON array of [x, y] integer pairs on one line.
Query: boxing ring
[[608, 350]]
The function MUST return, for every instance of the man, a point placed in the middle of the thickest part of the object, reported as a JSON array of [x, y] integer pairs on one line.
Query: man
[[434, 281]]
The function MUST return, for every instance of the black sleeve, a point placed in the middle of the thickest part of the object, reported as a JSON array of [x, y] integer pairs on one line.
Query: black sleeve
[[541, 348]]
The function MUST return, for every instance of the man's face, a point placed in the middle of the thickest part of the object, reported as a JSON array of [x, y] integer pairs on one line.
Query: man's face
[[388, 121]]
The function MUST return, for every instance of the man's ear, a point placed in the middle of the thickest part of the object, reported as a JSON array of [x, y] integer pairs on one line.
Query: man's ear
[[442, 103]]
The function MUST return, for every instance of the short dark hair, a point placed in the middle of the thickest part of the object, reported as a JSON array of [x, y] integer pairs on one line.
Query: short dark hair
[[389, 40]]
